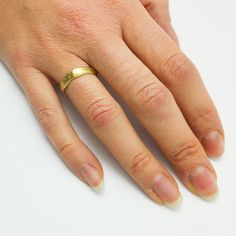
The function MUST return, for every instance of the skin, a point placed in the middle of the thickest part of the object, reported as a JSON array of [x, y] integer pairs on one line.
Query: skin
[[134, 47]]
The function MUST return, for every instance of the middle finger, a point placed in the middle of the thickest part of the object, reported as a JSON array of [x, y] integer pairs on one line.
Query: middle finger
[[155, 106], [108, 121]]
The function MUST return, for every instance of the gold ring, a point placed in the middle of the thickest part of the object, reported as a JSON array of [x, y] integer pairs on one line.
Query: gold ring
[[76, 73]]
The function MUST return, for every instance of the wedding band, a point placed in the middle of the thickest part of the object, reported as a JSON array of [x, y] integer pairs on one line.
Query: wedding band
[[76, 73]]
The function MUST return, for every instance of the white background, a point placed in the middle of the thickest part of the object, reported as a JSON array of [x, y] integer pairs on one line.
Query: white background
[[40, 196]]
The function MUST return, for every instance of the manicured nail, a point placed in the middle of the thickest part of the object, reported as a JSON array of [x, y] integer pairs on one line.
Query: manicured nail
[[91, 175], [165, 189], [213, 144], [203, 182]]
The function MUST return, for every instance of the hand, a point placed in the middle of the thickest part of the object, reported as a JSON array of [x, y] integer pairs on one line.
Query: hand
[[43, 40]]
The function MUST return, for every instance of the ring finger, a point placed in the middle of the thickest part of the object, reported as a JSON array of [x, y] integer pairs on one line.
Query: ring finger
[[108, 121]]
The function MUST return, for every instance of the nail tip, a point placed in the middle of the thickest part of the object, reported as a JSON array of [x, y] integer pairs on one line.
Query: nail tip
[[99, 188], [176, 203], [218, 154], [210, 198]]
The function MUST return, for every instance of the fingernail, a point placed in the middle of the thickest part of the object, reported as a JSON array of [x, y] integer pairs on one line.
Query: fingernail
[[212, 197], [203, 182], [176, 203], [165, 189], [99, 188], [91, 175], [213, 144]]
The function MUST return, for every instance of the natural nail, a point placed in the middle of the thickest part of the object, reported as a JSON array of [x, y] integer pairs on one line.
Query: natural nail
[[165, 189], [91, 175], [204, 182], [213, 143], [176, 203]]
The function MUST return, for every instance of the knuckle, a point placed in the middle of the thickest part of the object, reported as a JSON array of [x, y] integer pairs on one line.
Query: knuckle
[[139, 162], [48, 117], [74, 18], [67, 151], [19, 59], [178, 66], [96, 45], [152, 97], [203, 115], [100, 44], [185, 152], [102, 112]]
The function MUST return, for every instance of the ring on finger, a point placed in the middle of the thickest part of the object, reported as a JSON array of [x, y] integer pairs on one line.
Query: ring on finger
[[74, 74]]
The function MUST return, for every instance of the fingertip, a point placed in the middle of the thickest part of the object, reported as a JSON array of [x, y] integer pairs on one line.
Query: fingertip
[[212, 197], [204, 182], [176, 204], [99, 188], [166, 189], [92, 176], [214, 144]]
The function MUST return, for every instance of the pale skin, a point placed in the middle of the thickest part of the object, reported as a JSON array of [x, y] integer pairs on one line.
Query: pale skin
[[135, 49]]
